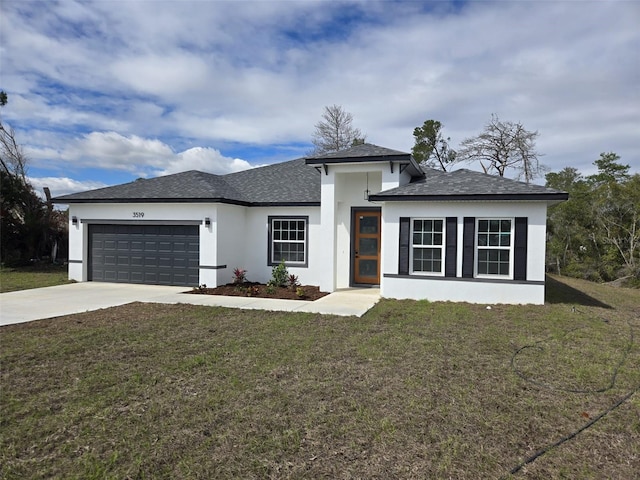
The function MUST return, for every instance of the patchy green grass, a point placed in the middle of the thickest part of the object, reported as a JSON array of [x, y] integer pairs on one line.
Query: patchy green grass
[[33, 276], [411, 390]]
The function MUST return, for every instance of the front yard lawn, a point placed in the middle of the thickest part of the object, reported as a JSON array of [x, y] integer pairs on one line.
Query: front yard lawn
[[410, 390], [32, 276]]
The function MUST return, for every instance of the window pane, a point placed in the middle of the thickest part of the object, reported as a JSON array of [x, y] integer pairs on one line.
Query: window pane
[[368, 224], [287, 239], [483, 226], [437, 239], [505, 239], [494, 240], [505, 225], [368, 246], [437, 225], [504, 263], [483, 240], [368, 268], [493, 262], [427, 260], [277, 252], [494, 225], [417, 239]]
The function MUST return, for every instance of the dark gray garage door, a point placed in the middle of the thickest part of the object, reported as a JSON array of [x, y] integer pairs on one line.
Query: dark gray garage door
[[148, 254]]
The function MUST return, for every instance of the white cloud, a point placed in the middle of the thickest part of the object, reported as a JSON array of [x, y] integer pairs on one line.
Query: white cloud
[[206, 160], [62, 185], [144, 157], [152, 80]]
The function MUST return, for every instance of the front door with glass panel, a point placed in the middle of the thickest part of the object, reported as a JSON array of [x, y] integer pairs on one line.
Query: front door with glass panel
[[366, 247]]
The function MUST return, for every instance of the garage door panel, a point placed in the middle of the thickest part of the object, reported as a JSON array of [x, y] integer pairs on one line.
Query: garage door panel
[[149, 254]]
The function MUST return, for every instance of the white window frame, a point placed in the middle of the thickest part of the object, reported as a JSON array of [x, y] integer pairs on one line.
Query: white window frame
[[441, 246], [273, 241], [509, 248]]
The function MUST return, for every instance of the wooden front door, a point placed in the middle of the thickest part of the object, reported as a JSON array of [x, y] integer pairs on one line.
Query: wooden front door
[[366, 247]]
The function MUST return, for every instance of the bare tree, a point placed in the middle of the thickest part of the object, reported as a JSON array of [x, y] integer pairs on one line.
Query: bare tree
[[431, 148], [12, 158], [335, 131], [504, 145]]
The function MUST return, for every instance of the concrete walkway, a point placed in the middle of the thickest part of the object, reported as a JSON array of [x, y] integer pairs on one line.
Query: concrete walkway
[[48, 302]]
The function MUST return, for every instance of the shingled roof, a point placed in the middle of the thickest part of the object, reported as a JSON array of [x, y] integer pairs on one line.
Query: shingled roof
[[360, 151], [296, 183], [286, 183], [367, 152], [466, 184]]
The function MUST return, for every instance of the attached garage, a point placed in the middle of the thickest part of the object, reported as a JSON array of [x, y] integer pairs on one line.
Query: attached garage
[[145, 254]]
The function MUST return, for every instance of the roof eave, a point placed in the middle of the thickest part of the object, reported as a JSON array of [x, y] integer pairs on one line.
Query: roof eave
[[190, 200], [62, 200], [542, 197], [376, 158]]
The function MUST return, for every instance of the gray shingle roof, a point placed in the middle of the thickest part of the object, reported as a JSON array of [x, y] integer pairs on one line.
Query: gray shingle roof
[[291, 182], [360, 151], [296, 183], [286, 182], [467, 185]]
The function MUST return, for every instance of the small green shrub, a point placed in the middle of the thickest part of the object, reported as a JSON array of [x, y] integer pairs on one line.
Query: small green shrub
[[279, 275]]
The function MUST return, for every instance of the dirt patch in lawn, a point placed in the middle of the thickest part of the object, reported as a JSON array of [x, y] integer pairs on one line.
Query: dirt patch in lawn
[[260, 290]]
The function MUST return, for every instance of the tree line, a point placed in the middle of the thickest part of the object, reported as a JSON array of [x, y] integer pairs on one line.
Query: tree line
[[596, 233], [30, 229]]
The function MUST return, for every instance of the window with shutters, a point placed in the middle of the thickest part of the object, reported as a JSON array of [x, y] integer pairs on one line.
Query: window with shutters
[[427, 246], [494, 247], [288, 240]]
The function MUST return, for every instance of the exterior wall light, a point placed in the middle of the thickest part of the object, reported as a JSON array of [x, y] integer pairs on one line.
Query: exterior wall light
[[207, 222], [74, 221]]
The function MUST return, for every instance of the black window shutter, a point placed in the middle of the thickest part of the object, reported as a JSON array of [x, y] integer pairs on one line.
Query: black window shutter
[[403, 257], [520, 246], [468, 246], [451, 248]]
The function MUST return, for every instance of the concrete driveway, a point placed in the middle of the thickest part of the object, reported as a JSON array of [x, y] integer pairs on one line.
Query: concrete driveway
[[48, 302]]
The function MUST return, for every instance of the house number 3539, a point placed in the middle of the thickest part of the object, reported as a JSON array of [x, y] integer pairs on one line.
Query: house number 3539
[[138, 214]]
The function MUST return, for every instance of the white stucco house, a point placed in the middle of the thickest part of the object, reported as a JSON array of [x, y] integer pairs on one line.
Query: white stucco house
[[356, 218]]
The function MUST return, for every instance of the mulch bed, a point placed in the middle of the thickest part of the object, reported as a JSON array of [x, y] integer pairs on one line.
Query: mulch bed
[[260, 290]]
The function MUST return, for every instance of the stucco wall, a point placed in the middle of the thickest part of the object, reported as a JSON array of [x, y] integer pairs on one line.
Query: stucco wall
[[254, 256], [342, 188], [237, 237], [350, 189], [469, 290]]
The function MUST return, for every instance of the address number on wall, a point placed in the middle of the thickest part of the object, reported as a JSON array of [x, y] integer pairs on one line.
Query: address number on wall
[[138, 214]]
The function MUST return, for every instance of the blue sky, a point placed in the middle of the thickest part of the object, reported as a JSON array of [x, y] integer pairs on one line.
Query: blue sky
[[105, 92]]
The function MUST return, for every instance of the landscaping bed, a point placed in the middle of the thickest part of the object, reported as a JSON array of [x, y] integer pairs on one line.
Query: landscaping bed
[[260, 290]]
